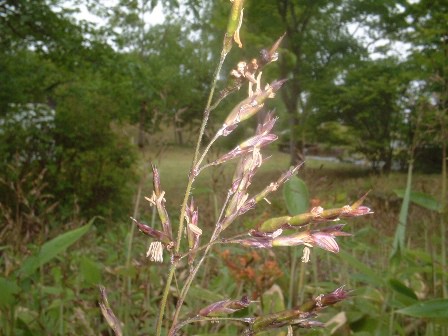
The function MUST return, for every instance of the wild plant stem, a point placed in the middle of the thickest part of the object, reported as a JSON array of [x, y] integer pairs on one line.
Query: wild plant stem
[[292, 280], [194, 165], [301, 287], [192, 275], [443, 214], [207, 149], [128, 253], [213, 319], [187, 194]]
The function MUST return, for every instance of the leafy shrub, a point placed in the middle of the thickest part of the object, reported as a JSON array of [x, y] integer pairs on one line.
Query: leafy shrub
[[77, 160]]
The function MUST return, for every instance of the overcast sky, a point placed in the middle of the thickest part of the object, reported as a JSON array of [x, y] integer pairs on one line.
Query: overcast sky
[[157, 16]]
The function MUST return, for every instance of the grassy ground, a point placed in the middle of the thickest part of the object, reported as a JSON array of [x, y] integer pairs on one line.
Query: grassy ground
[[334, 184], [364, 264], [63, 297]]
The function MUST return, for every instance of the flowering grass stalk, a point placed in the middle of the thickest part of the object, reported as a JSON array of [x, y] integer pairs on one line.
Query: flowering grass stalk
[[270, 234]]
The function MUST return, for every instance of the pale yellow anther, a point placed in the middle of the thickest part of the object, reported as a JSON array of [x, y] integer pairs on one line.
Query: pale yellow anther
[[258, 88], [319, 300], [346, 209], [277, 233], [196, 230], [161, 198], [306, 254], [250, 91], [241, 67], [257, 158], [155, 252], [317, 211], [152, 200], [242, 201]]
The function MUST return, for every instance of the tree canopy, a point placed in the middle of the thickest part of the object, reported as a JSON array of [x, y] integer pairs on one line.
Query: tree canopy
[[76, 82]]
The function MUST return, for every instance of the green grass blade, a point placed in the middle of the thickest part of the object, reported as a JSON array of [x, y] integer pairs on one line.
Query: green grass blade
[[424, 200], [52, 248], [400, 232], [8, 292], [372, 276], [437, 308], [296, 196]]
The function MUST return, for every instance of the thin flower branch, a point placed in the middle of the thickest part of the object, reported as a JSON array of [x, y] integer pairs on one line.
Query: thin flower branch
[[268, 234], [225, 50]]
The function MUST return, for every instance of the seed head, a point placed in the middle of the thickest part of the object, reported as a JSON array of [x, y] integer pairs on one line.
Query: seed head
[[225, 307]]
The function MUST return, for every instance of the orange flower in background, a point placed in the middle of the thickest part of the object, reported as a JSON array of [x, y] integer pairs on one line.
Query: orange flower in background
[[256, 273]]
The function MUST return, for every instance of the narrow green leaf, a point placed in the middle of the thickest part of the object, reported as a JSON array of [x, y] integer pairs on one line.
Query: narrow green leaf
[[90, 271], [437, 308], [52, 248], [400, 232], [401, 288], [203, 294], [371, 275], [424, 200], [296, 196], [8, 289], [273, 300]]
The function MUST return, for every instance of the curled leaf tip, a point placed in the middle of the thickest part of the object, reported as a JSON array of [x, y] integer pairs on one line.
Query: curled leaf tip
[[359, 202], [236, 36]]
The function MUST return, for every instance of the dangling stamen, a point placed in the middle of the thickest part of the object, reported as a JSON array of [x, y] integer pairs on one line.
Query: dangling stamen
[[155, 252], [306, 254]]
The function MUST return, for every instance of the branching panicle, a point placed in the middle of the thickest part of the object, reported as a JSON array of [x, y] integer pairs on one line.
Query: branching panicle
[[269, 234]]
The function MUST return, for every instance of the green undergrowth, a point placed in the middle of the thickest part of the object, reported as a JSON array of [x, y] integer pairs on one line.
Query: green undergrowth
[[58, 294]]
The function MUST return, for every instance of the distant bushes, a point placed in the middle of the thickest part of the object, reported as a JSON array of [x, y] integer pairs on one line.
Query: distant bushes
[[60, 165]]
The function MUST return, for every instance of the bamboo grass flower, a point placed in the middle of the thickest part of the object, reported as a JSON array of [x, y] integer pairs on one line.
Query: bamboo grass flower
[[155, 250], [303, 316], [108, 313], [270, 55], [193, 231], [225, 307], [325, 300], [281, 319], [151, 232], [251, 71], [261, 139], [158, 200], [249, 107], [324, 238], [269, 234], [315, 215], [234, 25]]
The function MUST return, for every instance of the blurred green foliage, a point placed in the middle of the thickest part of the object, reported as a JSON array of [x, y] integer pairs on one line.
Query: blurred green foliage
[[69, 89]]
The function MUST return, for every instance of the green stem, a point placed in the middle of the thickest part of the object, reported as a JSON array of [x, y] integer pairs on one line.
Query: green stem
[[292, 281], [61, 318], [301, 288], [128, 280], [442, 220], [187, 192], [194, 165], [190, 279], [212, 319], [191, 276], [217, 135]]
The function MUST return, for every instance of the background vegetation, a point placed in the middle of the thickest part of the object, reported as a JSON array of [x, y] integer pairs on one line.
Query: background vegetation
[[86, 107]]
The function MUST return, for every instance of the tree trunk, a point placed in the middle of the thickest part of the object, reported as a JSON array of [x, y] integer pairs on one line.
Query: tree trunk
[[178, 133], [289, 95], [294, 150], [141, 124]]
